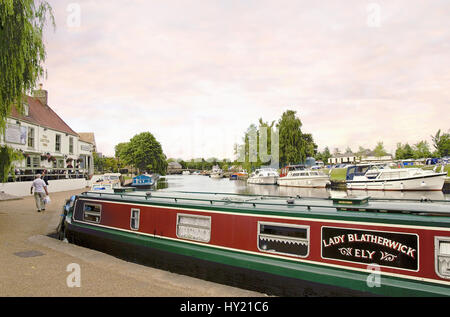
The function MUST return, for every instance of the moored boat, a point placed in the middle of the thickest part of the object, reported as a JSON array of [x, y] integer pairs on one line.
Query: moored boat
[[382, 177], [276, 245], [108, 181], [144, 181], [302, 177], [216, 172], [263, 176]]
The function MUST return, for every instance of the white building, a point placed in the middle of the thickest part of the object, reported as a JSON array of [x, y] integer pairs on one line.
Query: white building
[[46, 141]]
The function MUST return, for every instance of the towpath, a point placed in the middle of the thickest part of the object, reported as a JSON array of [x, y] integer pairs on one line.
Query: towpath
[[34, 264]]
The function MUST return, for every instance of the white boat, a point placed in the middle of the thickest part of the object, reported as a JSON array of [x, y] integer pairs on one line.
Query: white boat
[[382, 177], [108, 181], [216, 172], [186, 173], [305, 178], [264, 176]]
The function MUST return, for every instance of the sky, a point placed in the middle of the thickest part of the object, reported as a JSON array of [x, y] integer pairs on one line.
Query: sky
[[197, 73]]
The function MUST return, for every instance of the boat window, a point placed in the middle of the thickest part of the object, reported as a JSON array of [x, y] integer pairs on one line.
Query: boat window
[[313, 173], [282, 238], [303, 174], [194, 227], [134, 218], [92, 212]]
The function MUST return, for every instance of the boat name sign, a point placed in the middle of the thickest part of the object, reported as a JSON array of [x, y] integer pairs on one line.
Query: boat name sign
[[389, 249]]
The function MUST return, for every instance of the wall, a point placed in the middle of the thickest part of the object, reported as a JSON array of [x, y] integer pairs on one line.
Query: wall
[[59, 185]]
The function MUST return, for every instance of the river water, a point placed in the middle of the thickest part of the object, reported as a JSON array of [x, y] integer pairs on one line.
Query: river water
[[199, 183]]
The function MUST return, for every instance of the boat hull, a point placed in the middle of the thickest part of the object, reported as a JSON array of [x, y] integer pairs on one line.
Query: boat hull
[[263, 180], [433, 182], [310, 182], [210, 265], [329, 253], [216, 175]]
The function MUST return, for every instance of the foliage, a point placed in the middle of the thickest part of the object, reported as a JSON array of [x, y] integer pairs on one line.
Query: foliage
[[441, 143], [7, 156], [379, 150], [21, 59], [23, 51], [404, 152], [144, 152], [294, 146]]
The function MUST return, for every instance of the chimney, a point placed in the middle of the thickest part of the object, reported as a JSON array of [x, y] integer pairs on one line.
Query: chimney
[[41, 94]]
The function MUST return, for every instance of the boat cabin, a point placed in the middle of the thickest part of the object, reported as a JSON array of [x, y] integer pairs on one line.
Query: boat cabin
[[361, 170], [297, 167]]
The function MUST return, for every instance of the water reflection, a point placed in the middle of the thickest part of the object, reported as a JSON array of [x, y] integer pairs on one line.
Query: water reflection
[[198, 183]]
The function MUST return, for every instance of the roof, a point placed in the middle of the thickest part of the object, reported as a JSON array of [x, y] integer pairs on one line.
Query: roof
[[87, 137], [42, 115]]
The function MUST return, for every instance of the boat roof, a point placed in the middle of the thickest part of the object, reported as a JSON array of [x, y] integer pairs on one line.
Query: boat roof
[[352, 205]]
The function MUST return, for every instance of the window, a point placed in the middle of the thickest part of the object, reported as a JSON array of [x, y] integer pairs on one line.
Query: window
[[58, 143], [282, 238], [31, 137], [442, 256], [26, 109], [134, 219], [92, 212], [194, 227], [70, 145], [32, 161]]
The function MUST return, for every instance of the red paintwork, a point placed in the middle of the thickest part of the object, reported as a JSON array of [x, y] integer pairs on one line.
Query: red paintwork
[[162, 222]]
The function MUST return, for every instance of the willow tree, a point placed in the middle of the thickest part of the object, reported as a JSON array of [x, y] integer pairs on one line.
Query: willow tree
[[22, 55]]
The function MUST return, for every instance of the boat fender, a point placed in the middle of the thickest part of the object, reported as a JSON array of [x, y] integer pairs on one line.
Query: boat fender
[[290, 201], [148, 194]]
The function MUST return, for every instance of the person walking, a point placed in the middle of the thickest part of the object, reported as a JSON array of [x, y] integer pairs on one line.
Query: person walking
[[40, 190]]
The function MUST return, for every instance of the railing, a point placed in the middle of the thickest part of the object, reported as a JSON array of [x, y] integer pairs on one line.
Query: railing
[[29, 173], [422, 207]]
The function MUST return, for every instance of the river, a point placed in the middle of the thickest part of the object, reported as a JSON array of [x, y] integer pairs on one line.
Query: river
[[198, 183]]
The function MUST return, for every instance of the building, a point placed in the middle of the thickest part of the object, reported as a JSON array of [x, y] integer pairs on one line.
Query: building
[[46, 141], [350, 158], [174, 168]]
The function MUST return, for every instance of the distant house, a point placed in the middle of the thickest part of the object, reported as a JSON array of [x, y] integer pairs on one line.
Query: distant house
[[342, 158], [174, 167], [351, 158], [45, 140]]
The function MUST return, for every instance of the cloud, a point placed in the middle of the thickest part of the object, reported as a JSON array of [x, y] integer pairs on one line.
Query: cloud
[[200, 72]]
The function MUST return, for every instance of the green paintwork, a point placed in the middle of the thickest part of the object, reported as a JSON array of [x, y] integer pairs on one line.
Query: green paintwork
[[390, 286]]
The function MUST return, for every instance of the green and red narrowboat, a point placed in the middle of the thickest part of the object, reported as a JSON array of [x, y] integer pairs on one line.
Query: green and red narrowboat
[[288, 246]]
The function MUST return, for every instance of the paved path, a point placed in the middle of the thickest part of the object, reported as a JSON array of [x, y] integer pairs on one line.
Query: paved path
[[23, 233]]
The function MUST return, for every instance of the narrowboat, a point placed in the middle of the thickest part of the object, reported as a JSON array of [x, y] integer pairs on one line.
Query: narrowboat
[[382, 177], [286, 246]]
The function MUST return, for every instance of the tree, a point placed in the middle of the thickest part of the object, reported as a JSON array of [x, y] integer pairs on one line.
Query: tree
[[144, 152], [294, 145], [22, 56], [7, 157], [441, 143], [404, 152], [421, 150], [379, 150]]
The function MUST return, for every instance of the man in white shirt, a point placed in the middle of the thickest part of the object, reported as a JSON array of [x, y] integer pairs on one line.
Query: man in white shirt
[[40, 190]]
